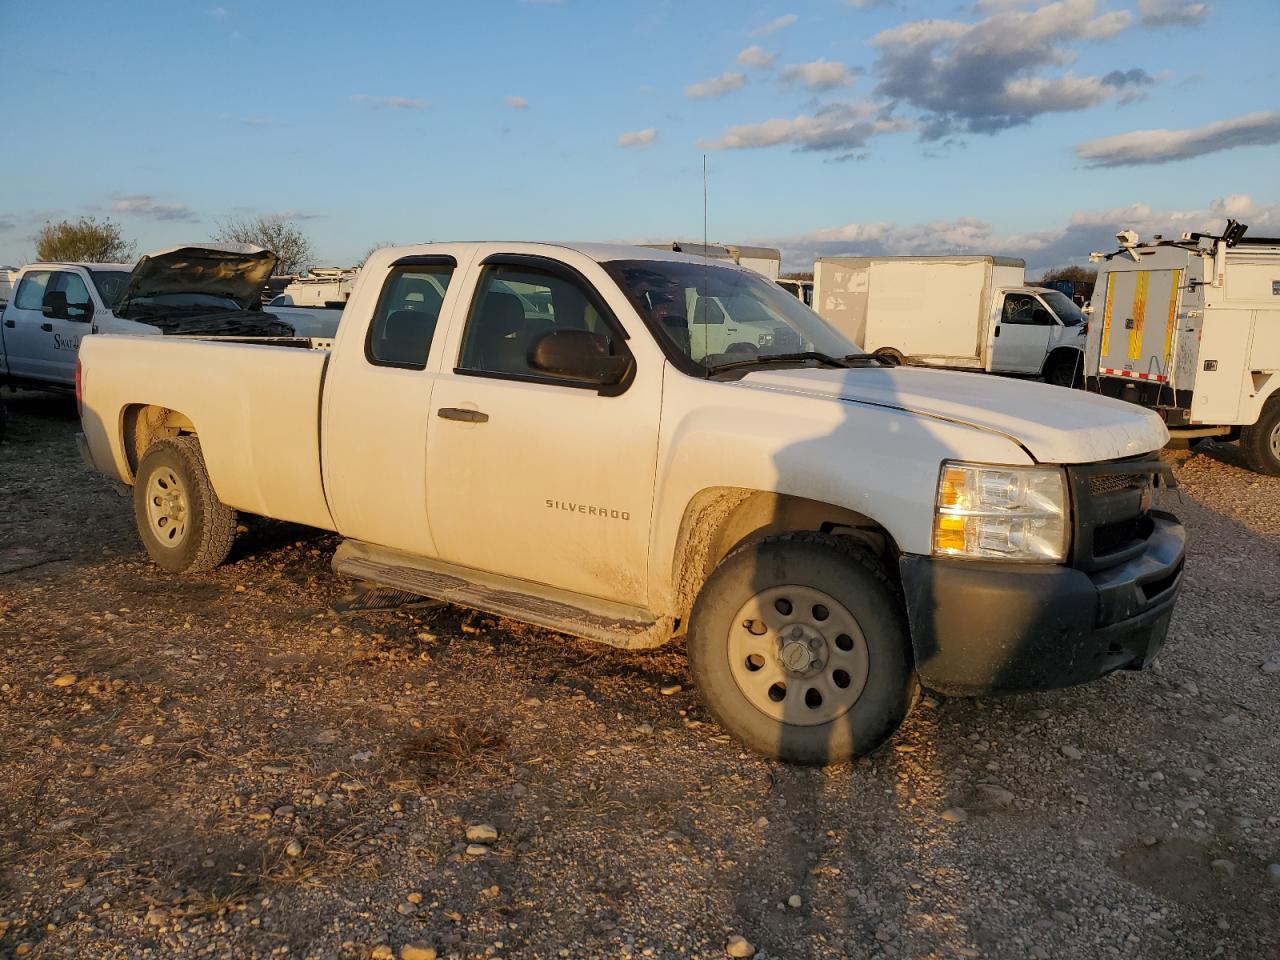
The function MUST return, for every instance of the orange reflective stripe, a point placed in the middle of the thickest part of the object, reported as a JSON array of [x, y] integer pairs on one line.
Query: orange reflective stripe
[[1173, 316], [1142, 282], [1106, 313]]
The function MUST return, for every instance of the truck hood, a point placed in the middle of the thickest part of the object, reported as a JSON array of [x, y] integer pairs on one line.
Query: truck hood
[[1053, 424], [236, 271]]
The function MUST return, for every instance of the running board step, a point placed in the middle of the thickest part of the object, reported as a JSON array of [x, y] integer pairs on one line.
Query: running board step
[[587, 617]]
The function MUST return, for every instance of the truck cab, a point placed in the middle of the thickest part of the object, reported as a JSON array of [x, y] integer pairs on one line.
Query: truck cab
[[1038, 331]]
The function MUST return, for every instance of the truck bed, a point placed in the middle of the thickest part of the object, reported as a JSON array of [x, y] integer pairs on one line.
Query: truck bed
[[254, 403]]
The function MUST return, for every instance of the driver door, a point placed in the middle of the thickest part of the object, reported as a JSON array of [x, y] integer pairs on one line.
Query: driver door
[[1021, 338], [63, 324]]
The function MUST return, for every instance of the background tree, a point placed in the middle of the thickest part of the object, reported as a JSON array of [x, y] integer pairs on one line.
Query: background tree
[[1080, 276], [798, 275], [85, 240], [374, 249], [282, 237]]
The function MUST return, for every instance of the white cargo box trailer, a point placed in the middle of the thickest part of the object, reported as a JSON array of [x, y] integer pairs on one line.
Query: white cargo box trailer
[[1191, 328], [964, 312]]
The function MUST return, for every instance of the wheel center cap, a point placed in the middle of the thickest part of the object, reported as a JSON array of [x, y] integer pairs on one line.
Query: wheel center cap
[[795, 656]]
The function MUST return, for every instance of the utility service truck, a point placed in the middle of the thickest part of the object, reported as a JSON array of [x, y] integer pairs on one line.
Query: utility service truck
[[962, 312], [1191, 329], [538, 431], [209, 290]]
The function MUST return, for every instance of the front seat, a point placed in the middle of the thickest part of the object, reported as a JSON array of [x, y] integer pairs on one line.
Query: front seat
[[495, 343]]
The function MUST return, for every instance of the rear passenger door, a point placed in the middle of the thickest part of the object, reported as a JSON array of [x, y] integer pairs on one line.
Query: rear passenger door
[[529, 476], [378, 406], [23, 318]]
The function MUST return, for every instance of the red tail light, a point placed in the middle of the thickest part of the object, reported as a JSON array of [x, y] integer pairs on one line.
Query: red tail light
[[79, 388]]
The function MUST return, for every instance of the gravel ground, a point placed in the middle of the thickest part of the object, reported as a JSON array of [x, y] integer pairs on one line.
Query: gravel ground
[[220, 766]]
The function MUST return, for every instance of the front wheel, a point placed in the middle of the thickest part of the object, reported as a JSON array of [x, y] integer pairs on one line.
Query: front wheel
[[799, 645], [181, 521], [1064, 371], [1261, 441]]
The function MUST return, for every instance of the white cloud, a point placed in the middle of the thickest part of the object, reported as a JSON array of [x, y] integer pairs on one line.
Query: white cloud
[[144, 205], [396, 103], [638, 138], [756, 58], [1164, 146], [293, 214], [218, 13], [836, 126], [996, 72], [1071, 242], [817, 75], [257, 121], [516, 103], [1171, 13], [775, 25], [715, 87]]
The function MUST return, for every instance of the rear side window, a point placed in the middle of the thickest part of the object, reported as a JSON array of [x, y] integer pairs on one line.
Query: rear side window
[[31, 291], [408, 311]]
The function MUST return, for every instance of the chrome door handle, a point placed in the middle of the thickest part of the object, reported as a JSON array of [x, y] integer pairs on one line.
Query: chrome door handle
[[466, 416]]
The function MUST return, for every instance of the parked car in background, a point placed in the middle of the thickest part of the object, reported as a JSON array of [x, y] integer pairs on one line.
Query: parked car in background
[[1191, 329], [962, 312], [802, 290], [536, 430], [8, 276], [209, 290]]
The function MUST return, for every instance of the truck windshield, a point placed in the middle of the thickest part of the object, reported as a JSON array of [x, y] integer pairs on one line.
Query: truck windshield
[[1067, 311], [110, 284], [715, 315]]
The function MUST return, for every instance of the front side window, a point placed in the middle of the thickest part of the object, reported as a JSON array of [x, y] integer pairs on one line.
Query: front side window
[[408, 311], [78, 305], [1020, 308], [514, 306], [713, 315], [31, 291]]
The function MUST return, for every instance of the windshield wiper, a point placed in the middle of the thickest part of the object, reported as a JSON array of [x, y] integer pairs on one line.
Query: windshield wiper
[[852, 360]]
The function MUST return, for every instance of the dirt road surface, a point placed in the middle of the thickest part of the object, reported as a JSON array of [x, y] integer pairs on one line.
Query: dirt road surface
[[220, 766]]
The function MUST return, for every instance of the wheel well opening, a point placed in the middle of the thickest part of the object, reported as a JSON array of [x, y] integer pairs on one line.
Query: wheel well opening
[[719, 521], [143, 424]]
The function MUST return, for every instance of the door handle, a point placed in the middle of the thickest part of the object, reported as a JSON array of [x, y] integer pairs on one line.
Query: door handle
[[10, 323], [465, 416], [997, 330], [47, 327]]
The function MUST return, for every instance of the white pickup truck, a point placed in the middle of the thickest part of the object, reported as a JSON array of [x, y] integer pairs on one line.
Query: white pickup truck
[[541, 432], [210, 289]]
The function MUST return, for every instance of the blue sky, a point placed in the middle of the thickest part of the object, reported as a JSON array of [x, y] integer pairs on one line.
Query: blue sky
[[830, 126]]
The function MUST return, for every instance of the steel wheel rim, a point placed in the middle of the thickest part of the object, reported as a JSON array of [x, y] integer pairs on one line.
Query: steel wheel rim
[[791, 662], [167, 507], [1275, 441]]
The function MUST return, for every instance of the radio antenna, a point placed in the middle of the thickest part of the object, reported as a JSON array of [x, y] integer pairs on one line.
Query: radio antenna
[[706, 278]]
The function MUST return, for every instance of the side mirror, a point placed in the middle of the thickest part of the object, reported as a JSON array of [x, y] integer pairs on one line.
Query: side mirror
[[578, 355]]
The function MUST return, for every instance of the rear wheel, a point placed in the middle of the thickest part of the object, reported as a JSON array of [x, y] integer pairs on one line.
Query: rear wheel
[[800, 648], [181, 521], [1261, 441]]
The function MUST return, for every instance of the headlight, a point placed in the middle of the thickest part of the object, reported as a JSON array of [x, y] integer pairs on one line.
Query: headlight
[[1001, 513]]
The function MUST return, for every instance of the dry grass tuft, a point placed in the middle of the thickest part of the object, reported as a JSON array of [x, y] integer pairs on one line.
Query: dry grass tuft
[[441, 756]]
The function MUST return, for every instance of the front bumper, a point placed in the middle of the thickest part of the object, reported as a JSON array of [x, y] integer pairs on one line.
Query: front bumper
[[979, 627]]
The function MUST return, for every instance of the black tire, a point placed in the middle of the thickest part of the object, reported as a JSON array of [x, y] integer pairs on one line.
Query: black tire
[[172, 473], [853, 578], [893, 356], [1065, 371], [1261, 441]]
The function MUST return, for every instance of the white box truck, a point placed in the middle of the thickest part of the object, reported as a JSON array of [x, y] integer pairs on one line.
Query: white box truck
[[1191, 329], [963, 312]]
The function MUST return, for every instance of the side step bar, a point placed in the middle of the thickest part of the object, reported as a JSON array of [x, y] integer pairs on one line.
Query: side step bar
[[616, 624]]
